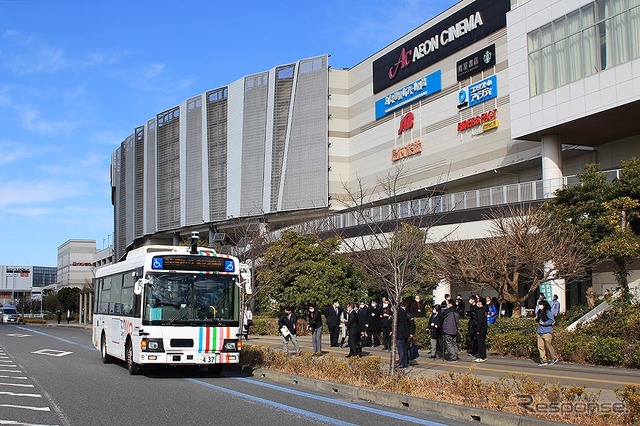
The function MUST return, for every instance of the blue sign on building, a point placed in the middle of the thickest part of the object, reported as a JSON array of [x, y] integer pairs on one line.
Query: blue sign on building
[[479, 92], [409, 94]]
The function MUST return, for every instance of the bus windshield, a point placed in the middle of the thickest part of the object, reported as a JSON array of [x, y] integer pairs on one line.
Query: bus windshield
[[189, 299]]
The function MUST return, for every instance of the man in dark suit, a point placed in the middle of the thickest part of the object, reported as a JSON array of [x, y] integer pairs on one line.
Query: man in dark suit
[[353, 330], [403, 333], [332, 316], [373, 325]]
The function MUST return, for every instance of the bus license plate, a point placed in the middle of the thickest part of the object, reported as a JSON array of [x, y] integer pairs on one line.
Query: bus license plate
[[208, 359]]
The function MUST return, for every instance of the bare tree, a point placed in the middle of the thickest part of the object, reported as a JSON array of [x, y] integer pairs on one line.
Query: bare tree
[[523, 249], [392, 248]]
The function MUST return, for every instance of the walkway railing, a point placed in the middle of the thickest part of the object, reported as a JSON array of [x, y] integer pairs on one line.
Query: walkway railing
[[538, 190]]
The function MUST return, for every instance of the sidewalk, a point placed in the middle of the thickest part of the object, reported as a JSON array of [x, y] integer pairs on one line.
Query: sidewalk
[[594, 378]]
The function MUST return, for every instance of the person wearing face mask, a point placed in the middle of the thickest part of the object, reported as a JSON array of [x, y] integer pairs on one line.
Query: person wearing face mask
[[332, 317], [353, 330], [417, 308], [315, 325], [386, 324], [363, 319], [373, 328], [435, 330]]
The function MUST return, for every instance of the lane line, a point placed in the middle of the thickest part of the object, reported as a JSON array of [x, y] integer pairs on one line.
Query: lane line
[[19, 385], [26, 407], [14, 377], [346, 404], [71, 342], [13, 422], [28, 395], [277, 405]]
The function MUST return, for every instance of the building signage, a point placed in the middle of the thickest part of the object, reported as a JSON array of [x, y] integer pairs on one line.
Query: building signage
[[479, 119], [465, 27], [406, 123], [417, 90], [477, 93], [479, 61], [406, 151]]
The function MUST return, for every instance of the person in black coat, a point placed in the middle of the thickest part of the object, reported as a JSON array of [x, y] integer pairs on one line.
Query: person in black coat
[[386, 324], [353, 330], [373, 324], [471, 333], [435, 330], [363, 320], [332, 316], [480, 332], [403, 334]]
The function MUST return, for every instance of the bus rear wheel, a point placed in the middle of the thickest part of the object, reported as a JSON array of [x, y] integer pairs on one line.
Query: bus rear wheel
[[215, 370], [106, 358], [133, 367]]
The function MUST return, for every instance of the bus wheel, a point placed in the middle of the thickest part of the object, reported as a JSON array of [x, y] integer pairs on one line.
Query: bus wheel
[[215, 370], [106, 358], [132, 366]]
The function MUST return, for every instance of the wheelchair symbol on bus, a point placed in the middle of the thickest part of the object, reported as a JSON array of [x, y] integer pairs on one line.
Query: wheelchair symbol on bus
[[228, 266], [157, 263]]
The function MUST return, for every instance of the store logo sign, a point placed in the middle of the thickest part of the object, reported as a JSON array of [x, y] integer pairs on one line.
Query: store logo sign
[[406, 123], [478, 92], [477, 62], [409, 94]]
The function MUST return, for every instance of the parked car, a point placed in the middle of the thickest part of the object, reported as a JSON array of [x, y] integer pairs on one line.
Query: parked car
[[9, 314]]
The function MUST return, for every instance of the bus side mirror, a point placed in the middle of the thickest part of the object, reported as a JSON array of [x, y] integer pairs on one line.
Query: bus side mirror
[[245, 276], [137, 287]]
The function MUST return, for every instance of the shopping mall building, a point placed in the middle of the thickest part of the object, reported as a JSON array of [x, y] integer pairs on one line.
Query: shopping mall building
[[490, 102]]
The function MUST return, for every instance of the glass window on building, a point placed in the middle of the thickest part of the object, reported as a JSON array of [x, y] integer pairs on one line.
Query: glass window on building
[[598, 36]]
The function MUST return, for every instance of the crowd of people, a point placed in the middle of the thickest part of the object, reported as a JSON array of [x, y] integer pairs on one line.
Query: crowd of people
[[361, 325]]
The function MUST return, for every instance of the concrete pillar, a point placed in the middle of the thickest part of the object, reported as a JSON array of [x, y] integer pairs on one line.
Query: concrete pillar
[[552, 178]]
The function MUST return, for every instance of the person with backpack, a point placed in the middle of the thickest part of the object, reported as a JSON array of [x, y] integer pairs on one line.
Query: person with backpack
[[545, 320]]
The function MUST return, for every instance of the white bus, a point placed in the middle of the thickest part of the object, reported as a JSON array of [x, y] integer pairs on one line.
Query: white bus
[[170, 305]]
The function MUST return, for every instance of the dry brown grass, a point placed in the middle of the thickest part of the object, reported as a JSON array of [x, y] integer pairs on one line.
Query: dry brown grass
[[504, 394]]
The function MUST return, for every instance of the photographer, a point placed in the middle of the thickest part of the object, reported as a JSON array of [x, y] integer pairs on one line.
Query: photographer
[[545, 320]]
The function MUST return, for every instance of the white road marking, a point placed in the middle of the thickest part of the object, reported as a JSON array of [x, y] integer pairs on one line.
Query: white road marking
[[13, 422], [51, 352], [14, 377], [28, 395], [20, 385], [26, 407]]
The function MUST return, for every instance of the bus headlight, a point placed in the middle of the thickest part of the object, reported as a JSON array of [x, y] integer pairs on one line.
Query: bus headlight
[[230, 346], [152, 345]]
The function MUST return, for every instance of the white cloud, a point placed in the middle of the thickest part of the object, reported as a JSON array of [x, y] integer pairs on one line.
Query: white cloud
[[12, 152], [32, 120], [36, 194]]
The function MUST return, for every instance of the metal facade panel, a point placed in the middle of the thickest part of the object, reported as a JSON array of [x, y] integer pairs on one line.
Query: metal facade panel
[[129, 187], [168, 137], [306, 163], [256, 91], [150, 204], [119, 240], [235, 122], [217, 152], [284, 77], [138, 193], [193, 173]]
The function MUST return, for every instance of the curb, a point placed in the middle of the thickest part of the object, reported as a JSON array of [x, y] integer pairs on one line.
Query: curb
[[388, 399]]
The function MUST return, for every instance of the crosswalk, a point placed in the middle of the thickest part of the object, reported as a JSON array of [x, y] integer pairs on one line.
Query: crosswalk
[[20, 401]]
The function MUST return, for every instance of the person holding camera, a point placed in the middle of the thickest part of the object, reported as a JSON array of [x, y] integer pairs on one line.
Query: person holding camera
[[545, 320]]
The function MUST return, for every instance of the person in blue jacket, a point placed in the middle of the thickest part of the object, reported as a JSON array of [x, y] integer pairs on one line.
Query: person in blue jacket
[[545, 321], [492, 310]]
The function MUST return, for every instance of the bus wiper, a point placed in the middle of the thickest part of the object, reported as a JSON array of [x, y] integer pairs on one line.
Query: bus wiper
[[180, 311]]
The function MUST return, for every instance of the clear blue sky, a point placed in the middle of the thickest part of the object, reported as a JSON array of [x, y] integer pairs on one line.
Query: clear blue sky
[[76, 77]]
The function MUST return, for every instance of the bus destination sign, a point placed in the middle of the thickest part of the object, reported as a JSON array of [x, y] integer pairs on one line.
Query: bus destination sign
[[192, 263]]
